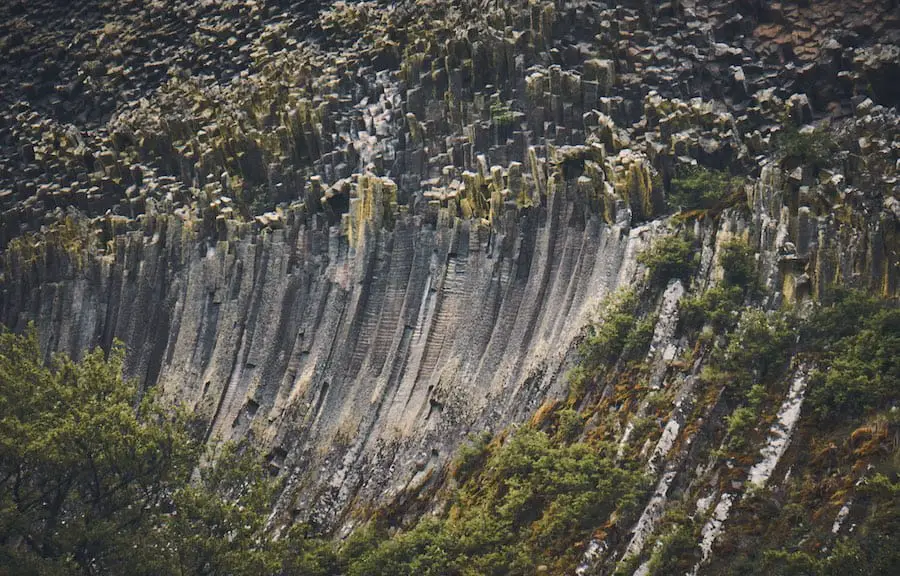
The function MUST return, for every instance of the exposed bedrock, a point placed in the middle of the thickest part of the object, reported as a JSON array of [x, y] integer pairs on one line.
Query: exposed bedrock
[[370, 246], [358, 367], [359, 356]]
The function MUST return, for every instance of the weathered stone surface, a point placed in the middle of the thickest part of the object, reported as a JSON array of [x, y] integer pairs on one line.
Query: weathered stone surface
[[357, 234]]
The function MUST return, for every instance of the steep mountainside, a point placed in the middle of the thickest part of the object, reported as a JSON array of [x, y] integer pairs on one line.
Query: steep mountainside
[[357, 233]]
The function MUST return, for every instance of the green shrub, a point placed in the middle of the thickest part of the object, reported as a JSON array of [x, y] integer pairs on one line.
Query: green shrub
[[784, 563], [878, 536], [838, 318], [759, 349], [471, 456], [738, 263], [676, 553], [569, 424], [578, 379], [718, 306], [860, 370], [95, 479], [424, 550], [639, 337], [619, 334], [669, 257], [813, 148], [739, 424], [697, 188], [606, 337], [535, 496]]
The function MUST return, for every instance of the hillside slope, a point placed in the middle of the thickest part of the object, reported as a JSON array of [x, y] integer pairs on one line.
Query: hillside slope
[[359, 233]]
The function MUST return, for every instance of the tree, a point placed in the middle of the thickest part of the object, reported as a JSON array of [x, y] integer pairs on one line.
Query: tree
[[697, 188], [95, 479], [667, 258]]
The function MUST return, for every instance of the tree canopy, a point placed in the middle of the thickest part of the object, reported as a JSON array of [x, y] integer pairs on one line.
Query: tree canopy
[[98, 479]]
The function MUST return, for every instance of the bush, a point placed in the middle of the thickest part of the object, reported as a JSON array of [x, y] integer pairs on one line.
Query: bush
[[677, 552], [606, 338], [872, 548], [759, 349], [809, 148], [718, 306], [669, 257], [569, 425], [639, 338], [860, 369], [619, 333], [471, 456], [738, 263], [740, 424], [535, 496], [697, 188], [838, 318]]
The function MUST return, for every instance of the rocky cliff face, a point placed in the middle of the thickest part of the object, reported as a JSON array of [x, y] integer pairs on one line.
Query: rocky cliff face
[[359, 363], [390, 228]]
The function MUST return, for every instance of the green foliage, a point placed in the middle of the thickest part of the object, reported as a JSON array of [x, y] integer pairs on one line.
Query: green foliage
[[808, 148], [93, 484], [879, 534], [783, 563], [739, 424], [578, 379], [857, 340], [759, 349], [305, 554], [697, 188], [96, 481], [673, 550], [619, 334], [501, 113], [838, 318], [471, 456], [738, 264], [75, 458], [535, 497], [219, 527], [606, 338], [639, 337], [719, 306], [677, 552], [669, 257], [422, 550], [569, 425], [873, 548], [852, 341]]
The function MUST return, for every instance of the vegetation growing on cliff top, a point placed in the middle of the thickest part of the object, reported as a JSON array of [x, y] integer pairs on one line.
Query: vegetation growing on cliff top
[[812, 148]]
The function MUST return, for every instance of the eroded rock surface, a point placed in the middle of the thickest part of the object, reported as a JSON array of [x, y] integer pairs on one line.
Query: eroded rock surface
[[357, 233]]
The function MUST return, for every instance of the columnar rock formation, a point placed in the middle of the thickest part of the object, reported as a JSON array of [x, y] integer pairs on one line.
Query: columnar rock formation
[[357, 235]]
